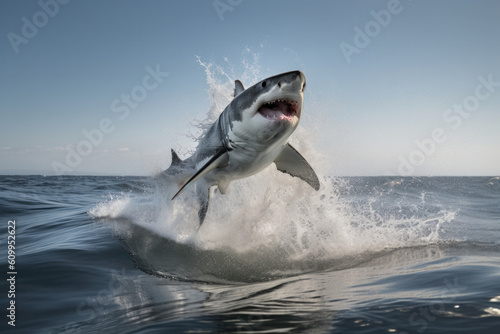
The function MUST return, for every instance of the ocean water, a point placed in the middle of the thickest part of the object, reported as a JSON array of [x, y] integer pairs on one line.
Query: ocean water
[[363, 254]]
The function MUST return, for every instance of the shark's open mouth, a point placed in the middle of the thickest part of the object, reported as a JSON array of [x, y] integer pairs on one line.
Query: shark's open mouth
[[279, 110]]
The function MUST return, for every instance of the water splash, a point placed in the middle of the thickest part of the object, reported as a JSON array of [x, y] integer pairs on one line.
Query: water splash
[[269, 223], [220, 81]]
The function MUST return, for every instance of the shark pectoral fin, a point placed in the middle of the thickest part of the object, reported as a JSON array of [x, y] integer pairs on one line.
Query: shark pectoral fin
[[220, 158], [238, 87], [292, 162]]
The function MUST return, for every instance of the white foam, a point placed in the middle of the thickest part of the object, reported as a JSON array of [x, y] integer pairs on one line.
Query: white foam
[[114, 207]]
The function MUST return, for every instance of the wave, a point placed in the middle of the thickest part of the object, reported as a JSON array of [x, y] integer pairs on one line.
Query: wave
[[269, 225]]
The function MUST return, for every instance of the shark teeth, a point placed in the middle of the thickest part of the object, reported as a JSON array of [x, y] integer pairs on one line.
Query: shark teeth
[[280, 109], [293, 104]]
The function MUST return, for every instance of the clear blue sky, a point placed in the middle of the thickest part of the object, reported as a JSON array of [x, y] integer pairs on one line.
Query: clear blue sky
[[428, 74]]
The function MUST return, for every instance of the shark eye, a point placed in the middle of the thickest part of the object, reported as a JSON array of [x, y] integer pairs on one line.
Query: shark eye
[[264, 84]]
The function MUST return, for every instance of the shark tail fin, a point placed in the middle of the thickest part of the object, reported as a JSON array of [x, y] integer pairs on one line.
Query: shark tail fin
[[177, 173], [175, 159], [175, 168], [203, 194]]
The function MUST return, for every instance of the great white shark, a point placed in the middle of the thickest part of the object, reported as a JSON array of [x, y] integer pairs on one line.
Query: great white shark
[[250, 134]]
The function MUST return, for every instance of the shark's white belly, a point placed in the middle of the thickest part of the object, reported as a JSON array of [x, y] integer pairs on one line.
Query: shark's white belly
[[243, 163]]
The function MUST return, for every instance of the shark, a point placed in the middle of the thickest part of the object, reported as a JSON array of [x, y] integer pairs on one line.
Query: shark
[[250, 134]]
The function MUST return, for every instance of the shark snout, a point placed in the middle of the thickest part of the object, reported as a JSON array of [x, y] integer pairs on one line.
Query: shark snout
[[294, 81]]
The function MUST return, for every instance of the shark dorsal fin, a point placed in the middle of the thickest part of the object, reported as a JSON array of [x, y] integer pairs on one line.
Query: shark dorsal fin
[[175, 159], [238, 87]]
